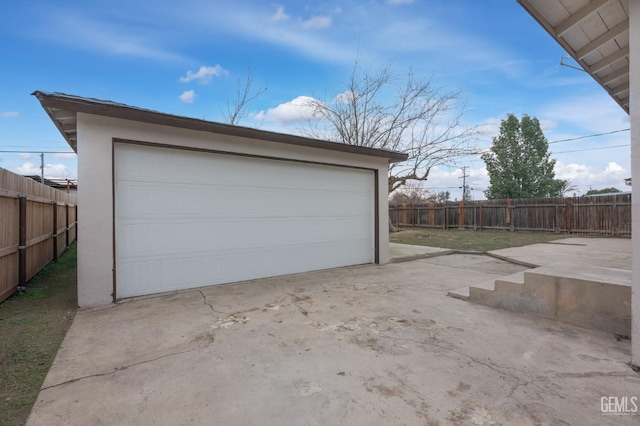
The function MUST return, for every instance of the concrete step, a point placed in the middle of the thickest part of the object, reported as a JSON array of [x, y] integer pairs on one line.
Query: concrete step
[[511, 283], [586, 296], [461, 293], [482, 290]]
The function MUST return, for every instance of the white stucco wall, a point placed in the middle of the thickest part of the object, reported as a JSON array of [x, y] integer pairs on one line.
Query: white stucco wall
[[95, 198], [634, 108]]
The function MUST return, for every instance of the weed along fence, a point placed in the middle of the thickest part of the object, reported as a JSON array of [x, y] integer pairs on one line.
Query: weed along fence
[[609, 215], [37, 224]]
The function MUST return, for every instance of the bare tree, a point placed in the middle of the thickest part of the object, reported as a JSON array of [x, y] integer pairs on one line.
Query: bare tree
[[377, 109], [245, 93], [413, 193]]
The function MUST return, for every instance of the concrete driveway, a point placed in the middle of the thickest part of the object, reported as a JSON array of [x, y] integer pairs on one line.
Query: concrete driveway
[[362, 345]]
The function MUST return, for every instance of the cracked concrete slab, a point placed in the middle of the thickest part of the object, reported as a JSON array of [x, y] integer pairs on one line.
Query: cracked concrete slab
[[360, 346]]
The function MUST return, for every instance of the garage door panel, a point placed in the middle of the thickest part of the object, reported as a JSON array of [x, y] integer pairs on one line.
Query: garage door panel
[[186, 219], [146, 240], [188, 201], [215, 267]]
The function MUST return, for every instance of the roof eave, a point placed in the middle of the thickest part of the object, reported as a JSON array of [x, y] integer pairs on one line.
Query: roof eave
[[52, 102], [526, 5]]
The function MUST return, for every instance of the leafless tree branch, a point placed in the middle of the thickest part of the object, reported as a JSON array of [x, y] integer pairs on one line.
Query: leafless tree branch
[[377, 109], [245, 93]]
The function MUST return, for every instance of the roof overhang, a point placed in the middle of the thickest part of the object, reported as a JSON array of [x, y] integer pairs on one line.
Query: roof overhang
[[596, 35], [63, 110]]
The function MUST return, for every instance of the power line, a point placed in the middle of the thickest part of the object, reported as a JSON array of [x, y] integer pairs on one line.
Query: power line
[[40, 152], [590, 136], [577, 138], [592, 149]]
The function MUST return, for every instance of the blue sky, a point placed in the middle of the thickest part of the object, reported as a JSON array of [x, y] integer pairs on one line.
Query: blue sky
[[185, 58]]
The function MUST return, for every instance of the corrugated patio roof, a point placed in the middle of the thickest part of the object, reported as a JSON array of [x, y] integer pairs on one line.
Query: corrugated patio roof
[[63, 109], [595, 33]]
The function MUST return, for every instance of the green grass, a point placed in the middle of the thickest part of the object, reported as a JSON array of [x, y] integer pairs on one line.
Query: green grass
[[471, 240], [40, 286], [32, 326]]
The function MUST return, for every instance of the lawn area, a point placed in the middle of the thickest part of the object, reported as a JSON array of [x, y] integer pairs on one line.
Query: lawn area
[[32, 327], [471, 240]]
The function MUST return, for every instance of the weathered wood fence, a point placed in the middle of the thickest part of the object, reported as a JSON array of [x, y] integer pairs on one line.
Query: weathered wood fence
[[609, 215], [37, 224]]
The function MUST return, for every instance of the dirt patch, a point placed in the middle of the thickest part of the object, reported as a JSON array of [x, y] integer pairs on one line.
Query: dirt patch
[[32, 327]]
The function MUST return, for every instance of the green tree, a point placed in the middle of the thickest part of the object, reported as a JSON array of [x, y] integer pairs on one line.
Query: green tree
[[443, 196], [602, 191], [519, 163]]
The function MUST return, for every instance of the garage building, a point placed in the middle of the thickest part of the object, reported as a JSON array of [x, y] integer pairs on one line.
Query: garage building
[[169, 203]]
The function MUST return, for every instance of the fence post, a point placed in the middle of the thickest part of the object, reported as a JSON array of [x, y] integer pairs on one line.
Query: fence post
[[54, 232], [22, 242], [569, 216], [404, 213], [556, 227], [432, 214], [509, 225], [461, 214], [446, 216], [66, 211], [614, 214], [475, 218], [418, 214], [480, 219]]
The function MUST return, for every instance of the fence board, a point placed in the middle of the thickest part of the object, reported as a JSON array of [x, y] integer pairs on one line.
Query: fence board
[[609, 215], [21, 260]]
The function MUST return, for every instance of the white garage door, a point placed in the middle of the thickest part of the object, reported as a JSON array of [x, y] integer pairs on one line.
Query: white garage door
[[187, 219]]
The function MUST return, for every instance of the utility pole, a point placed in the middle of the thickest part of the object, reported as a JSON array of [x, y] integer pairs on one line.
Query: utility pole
[[42, 167], [464, 177]]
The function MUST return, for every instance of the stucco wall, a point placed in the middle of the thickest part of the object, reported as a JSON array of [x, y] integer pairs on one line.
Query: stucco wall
[[95, 205], [634, 108]]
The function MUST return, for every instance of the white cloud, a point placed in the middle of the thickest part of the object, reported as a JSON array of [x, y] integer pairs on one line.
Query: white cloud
[[344, 97], [10, 114], [25, 156], [442, 178], [64, 155], [580, 111], [280, 15], [547, 125], [614, 168], [298, 109], [204, 74], [316, 22], [586, 177], [490, 127], [256, 23], [52, 171], [188, 96], [400, 1], [102, 36]]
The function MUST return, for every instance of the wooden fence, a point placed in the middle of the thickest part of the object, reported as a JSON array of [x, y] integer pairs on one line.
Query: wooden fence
[[37, 224], [609, 215]]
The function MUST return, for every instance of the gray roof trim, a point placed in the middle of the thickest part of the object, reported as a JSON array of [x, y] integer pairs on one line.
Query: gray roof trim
[[62, 109]]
